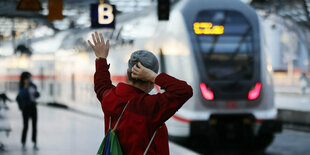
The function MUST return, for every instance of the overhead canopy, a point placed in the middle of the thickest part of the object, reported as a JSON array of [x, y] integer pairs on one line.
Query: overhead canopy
[[296, 10]]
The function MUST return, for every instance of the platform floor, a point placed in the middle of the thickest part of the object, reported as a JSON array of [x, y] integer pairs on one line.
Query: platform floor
[[293, 102], [60, 132]]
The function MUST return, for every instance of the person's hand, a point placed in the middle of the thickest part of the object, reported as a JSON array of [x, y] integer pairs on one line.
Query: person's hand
[[100, 48], [143, 73]]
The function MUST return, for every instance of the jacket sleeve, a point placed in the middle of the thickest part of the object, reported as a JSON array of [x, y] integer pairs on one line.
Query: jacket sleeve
[[163, 106], [19, 101], [36, 94], [102, 81]]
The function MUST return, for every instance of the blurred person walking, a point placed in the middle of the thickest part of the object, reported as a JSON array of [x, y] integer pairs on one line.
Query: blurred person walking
[[4, 98], [26, 100], [303, 83], [142, 116]]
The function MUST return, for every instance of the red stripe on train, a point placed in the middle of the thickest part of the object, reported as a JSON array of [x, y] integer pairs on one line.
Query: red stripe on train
[[117, 78], [157, 88], [16, 77], [181, 119]]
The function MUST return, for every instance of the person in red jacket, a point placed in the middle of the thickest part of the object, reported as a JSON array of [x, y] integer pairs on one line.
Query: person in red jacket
[[144, 113]]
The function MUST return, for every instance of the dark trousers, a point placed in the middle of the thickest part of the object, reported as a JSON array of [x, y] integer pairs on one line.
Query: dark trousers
[[30, 112]]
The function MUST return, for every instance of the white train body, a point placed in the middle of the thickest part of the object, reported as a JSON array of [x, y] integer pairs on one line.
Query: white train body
[[176, 41]]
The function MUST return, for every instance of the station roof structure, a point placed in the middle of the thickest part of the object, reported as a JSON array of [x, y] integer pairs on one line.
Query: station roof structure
[[8, 7], [76, 13], [295, 10]]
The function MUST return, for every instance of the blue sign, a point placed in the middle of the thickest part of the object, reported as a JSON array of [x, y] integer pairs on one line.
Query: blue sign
[[102, 15]]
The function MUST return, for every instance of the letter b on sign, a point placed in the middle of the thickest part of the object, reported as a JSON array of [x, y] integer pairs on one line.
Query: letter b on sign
[[105, 14], [102, 15]]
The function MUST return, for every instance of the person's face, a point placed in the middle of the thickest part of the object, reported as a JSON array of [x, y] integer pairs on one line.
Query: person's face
[[27, 82]]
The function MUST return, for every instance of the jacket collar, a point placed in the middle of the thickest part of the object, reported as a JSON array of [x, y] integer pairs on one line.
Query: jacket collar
[[124, 89]]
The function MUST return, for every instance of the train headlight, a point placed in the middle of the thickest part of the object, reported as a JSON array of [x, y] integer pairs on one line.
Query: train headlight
[[254, 93], [207, 94]]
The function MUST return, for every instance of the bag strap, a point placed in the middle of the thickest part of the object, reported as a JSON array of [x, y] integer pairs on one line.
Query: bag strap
[[148, 146], [118, 118], [150, 142]]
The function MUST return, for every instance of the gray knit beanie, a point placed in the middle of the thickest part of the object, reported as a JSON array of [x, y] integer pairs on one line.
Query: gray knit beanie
[[146, 58]]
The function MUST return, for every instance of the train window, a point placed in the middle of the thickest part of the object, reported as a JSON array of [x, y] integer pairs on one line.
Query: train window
[[2, 87], [51, 89], [42, 81], [228, 55], [73, 87], [12, 86], [59, 89]]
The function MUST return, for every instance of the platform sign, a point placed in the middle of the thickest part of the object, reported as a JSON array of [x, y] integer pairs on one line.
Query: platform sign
[[55, 10], [29, 5], [102, 15], [163, 9]]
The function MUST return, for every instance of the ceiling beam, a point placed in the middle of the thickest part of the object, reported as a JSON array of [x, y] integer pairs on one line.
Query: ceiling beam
[[305, 6]]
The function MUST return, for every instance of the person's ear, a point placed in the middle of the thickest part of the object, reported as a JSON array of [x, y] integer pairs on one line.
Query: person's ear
[[151, 85], [128, 75]]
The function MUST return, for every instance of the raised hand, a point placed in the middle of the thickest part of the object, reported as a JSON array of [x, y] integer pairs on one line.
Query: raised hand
[[143, 73], [100, 48]]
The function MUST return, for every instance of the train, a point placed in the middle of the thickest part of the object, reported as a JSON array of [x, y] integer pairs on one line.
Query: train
[[220, 50]]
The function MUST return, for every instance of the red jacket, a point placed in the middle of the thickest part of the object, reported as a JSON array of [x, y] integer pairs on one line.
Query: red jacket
[[144, 113]]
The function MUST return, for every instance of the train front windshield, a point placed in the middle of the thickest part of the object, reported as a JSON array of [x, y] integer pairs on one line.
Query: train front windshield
[[225, 40]]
